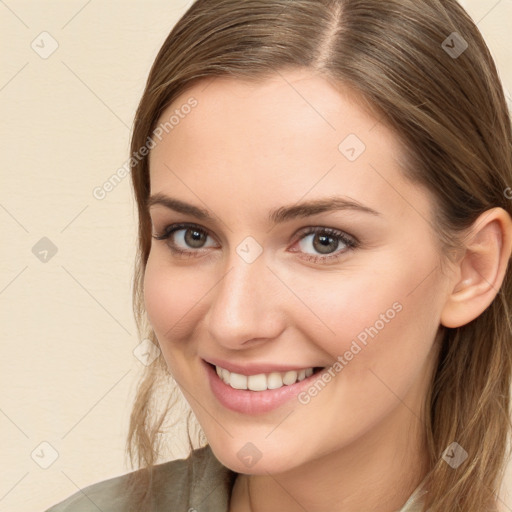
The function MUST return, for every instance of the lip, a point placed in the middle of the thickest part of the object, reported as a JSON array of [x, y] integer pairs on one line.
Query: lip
[[255, 368], [250, 402]]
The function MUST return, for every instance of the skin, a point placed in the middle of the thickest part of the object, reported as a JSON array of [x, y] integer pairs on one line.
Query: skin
[[243, 151]]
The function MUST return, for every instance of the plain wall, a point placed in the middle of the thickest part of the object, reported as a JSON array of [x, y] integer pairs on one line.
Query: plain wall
[[68, 371]]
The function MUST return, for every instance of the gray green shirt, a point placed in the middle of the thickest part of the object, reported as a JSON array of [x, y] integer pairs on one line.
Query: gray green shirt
[[199, 483]]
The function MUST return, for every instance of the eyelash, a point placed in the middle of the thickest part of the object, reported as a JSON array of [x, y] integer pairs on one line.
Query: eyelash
[[348, 240]]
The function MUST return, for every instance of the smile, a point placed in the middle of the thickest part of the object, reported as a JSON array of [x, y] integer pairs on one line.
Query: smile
[[263, 381], [258, 393]]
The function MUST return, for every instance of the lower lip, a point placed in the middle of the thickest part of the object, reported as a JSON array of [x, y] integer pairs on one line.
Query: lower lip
[[254, 402]]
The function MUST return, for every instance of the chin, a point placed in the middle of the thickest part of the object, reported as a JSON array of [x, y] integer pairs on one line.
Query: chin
[[252, 458]]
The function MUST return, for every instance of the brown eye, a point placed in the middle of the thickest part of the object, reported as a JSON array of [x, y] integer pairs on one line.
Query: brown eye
[[184, 238], [194, 238], [325, 244]]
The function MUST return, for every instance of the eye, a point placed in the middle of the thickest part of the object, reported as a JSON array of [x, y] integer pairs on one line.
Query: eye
[[192, 236], [326, 241]]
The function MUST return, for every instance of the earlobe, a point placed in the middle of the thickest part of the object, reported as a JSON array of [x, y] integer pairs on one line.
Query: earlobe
[[481, 270]]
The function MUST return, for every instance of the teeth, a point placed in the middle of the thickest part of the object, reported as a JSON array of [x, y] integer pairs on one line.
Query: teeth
[[237, 381], [290, 377], [262, 381], [254, 382]]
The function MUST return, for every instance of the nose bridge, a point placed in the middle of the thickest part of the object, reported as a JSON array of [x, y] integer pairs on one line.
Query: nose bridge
[[244, 304]]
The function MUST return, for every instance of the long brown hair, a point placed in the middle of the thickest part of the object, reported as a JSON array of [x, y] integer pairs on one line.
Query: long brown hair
[[445, 103]]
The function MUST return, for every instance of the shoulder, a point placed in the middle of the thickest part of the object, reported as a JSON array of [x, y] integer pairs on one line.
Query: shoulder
[[181, 484]]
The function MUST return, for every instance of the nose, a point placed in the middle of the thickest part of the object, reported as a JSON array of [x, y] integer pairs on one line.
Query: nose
[[246, 306]]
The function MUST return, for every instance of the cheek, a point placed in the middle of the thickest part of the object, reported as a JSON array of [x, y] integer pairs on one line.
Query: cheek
[[346, 306], [397, 356], [169, 300], [380, 361], [385, 319]]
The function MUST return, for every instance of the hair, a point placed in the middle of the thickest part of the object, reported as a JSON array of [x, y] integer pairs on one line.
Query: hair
[[450, 115]]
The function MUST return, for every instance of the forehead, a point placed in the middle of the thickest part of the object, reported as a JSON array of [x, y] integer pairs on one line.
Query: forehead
[[292, 136]]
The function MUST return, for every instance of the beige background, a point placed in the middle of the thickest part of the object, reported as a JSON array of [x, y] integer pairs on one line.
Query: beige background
[[68, 370]]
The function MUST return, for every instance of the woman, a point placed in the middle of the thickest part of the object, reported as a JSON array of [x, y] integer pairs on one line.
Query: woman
[[324, 238]]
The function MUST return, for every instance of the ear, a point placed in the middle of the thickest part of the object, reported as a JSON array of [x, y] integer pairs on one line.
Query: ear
[[480, 272]]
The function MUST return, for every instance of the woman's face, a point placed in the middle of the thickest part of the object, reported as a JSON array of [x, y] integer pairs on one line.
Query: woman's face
[[260, 292]]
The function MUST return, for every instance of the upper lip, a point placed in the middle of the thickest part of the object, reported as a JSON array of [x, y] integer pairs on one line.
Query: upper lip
[[256, 368]]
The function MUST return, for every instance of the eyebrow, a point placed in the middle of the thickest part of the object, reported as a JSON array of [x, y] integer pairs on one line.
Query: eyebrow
[[276, 216]]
